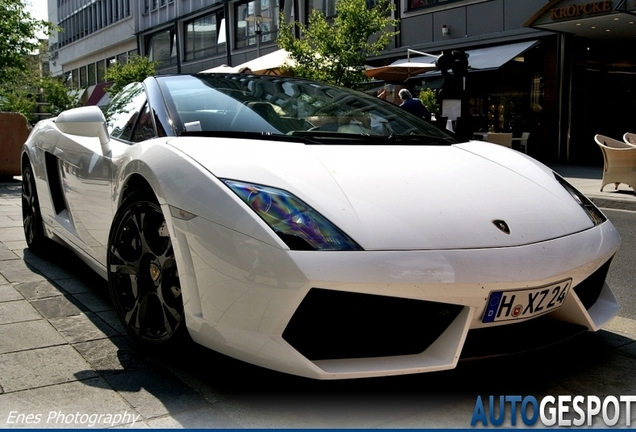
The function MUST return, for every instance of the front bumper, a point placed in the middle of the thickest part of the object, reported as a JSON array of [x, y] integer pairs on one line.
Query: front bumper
[[257, 303]]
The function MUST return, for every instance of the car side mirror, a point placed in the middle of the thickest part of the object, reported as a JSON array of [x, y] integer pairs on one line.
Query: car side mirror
[[88, 121]]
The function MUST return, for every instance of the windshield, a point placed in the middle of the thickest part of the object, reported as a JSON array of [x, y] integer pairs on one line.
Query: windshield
[[273, 105]]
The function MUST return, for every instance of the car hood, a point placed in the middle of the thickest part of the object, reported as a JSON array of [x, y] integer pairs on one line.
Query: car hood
[[406, 197]]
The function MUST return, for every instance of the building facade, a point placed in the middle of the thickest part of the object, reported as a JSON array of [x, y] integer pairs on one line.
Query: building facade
[[563, 70], [572, 76], [93, 35]]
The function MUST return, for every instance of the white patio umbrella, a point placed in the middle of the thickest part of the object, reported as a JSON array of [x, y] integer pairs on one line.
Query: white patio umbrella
[[221, 69], [269, 64], [403, 69]]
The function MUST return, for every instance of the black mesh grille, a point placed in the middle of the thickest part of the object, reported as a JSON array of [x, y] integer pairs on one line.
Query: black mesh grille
[[589, 290], [337, 325]]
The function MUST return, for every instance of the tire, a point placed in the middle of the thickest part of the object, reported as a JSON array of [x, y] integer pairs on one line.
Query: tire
[[31, 216], [142, 274]]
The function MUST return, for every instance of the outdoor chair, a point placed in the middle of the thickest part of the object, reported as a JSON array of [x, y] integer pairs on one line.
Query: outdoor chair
[[630, 138], [504, 139], [523, 142], [619, 162]]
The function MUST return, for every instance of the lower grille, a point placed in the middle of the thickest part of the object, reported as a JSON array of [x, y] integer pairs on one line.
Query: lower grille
[[517, 338], [589, 290], [338, 325]]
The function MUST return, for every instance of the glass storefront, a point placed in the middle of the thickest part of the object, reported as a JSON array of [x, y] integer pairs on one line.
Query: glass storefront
[[603, 96], [512, 97]]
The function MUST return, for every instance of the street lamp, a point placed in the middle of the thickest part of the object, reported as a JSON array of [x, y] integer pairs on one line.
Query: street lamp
[[258, 20]]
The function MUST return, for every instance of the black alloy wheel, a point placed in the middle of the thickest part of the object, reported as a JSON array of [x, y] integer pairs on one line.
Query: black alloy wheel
[[31, 216], [142, 273]]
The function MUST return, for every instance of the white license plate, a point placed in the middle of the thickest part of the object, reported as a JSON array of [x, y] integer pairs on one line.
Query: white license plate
[[526, 303]]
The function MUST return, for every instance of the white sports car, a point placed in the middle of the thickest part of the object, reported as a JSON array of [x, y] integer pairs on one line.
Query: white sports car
[[314, 230]]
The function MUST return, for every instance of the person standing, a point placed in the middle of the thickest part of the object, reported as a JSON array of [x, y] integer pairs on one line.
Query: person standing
[[413, 105]]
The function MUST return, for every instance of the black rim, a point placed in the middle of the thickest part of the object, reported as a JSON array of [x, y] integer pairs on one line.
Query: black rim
[[143, 274], [30, 211]]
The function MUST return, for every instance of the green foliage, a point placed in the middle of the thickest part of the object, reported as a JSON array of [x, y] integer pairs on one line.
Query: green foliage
[[336, 52], [57, 96], [429, 100], [19, 100], [18, 38], [136, 69], [19, 92]]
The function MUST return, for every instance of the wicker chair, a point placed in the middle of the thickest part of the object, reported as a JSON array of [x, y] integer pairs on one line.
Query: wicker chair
[[630, 138], [619, 162], [504, 139], [523, 141]]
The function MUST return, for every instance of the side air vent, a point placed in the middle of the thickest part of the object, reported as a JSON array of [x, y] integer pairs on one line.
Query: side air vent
[[339, 325], [54, 182]]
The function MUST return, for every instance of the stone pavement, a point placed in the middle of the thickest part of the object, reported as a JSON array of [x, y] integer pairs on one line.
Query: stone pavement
[[65, 361]]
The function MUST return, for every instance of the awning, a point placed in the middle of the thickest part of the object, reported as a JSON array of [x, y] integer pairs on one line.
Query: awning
[[496, 56], [435, 84], [79, 94], [97, 93], [491, 58]]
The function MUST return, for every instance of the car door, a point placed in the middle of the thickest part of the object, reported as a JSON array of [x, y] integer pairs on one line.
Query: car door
[[87, 169]]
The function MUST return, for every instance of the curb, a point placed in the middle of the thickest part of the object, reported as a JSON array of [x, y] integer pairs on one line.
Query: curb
[[614, 204]]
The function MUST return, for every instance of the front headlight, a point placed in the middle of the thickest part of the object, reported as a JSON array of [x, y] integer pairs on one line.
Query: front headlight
[[295, 222], [592, 211]]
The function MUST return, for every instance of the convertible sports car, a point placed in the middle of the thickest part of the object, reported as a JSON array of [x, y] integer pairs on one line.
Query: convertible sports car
[[314, 230]]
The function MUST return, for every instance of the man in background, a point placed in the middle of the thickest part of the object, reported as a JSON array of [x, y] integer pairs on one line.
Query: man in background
[[413, 105]]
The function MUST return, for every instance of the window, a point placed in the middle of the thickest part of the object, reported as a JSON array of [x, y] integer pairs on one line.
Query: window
[[75, 78], [83, 83], [245, 14], [101, 71], [129, 117], [327, 7], [144, 129], [416, 4], [123, 111], [91, 74], [162, 47], [202, 36]]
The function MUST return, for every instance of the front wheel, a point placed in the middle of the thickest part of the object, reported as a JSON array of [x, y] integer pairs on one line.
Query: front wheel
[[31, 216], [142, 273]]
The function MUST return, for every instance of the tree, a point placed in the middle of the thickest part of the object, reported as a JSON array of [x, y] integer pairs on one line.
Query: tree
[[19, 93], [18, 38], [57, 96], [336, 52], [136, 69], [429, 100]]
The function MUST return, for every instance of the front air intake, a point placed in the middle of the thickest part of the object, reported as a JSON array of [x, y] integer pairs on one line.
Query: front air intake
[[589, 290], [332, 325]]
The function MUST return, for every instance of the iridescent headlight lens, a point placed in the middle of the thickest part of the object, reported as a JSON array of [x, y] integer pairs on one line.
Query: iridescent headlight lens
[[296, 223], [592, 211]]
